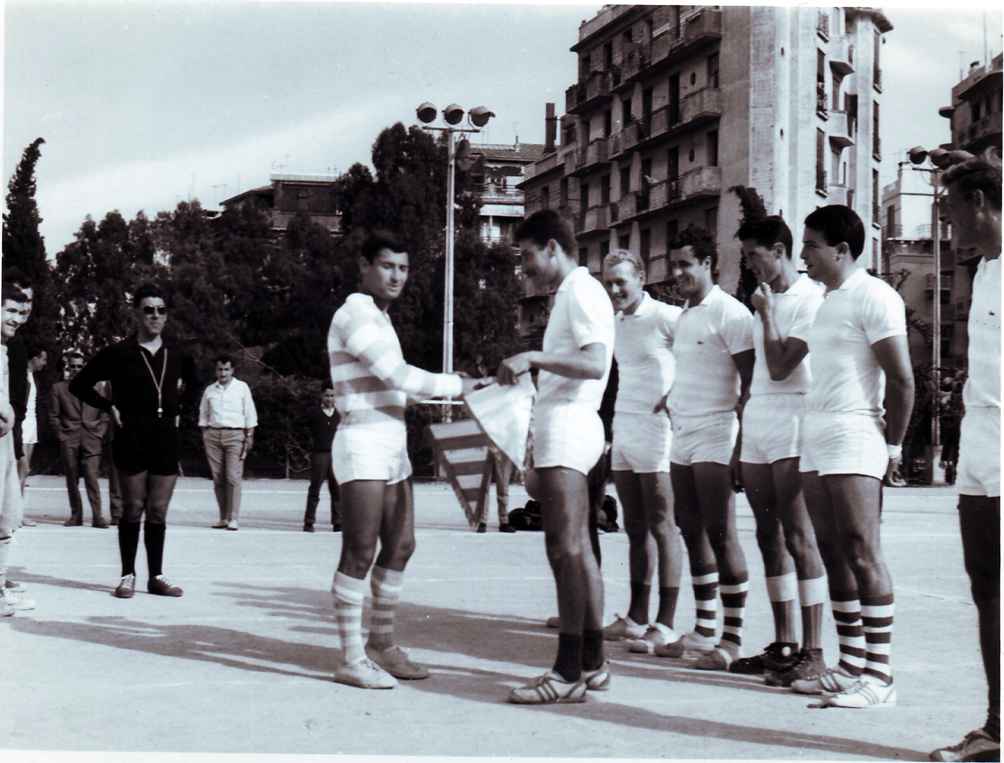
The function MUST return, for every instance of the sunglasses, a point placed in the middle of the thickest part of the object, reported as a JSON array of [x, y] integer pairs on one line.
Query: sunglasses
[[152, 310]]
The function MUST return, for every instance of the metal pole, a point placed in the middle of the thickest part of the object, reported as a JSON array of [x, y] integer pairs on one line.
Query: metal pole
[[937, 475], [448, 289]]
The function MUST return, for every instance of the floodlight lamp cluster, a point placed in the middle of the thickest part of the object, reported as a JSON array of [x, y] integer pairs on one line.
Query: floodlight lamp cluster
[[454, 114], [940, 157]]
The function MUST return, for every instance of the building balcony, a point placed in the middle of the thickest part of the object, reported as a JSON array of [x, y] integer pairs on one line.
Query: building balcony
[[840, 130], [633, 134], [593, 154], [701, 183], [627, 207], [696, 30], [606, 16], [595, 220], [821, 108], [704, 181], [589, 92], [839, 193], [697, 109], [842, 57], [663, 193], [636, 58], [546, 164], [615, 144], [492, 195], [986, 129]]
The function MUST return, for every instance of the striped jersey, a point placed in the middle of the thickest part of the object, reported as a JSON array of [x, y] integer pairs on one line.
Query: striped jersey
[[982, 388], [371, 379], [708, 334]]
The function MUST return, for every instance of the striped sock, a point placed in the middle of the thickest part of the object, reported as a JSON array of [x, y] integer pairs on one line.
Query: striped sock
[[706, 602], [847, 615], [733, 605], [386, 587], [349, 594], [877, 616]]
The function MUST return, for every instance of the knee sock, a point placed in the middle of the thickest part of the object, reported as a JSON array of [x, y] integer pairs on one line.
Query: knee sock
[[876, 617], [349, 593], [128, 543], [847, 615], [592, 649], [706, 603], [667, 605], [734, 607], [640, 595], [386, 589], [153, 539], [782, 591], [568, 663], [812, 596]]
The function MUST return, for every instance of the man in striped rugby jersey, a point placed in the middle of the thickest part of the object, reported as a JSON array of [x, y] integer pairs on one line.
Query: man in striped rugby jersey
[[856, 414], [714, 365], [568, 441], [974, 204], [372, 384]]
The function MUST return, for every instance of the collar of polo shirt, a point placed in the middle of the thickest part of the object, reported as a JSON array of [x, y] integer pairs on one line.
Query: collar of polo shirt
[[644, 306], [853, 279], [712, 292], [566, 282]]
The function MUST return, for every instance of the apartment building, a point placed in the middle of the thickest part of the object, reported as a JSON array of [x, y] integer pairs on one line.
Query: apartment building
[[286, 195], [497, 172], [674, 105]]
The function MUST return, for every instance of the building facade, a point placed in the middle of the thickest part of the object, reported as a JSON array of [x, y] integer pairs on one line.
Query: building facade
[[497, 172], [674, 105], [975, 112], [287, 195]]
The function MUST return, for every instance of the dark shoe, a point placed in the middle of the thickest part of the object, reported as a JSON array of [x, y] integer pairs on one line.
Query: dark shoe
[[809, 666], [126, 587], [220, 525], [777, 657], [308, 528], [507, 528], [336, 528], [976, 745], [114, 522], [482, 527], [73, 522], [101, 524], [159, 586]]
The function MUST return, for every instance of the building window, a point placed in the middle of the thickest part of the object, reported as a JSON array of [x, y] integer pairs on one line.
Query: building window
[[608, 56], [545, 197], [875, 256], [674, 20], [626, 116], [563, 193], [646, 246], [876, 68], [608, 123], [646, 104], [625, 181], [875, 197], [583, 255], [570, 134], [713, 148], [674, 98], [673, 163], [713, 70], [976, 109], [672, 229], [876, 139], [820, 159], [820, 81], [890, 222], [584, 194], [604, 249], [605, 189], [711, 220]]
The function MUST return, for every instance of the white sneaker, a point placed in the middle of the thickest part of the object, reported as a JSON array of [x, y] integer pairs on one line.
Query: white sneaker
[[695, 642], [866, 693], [834, 681], [657, 635], [395, 661], [16, 602], [365, 674], [624, 628]]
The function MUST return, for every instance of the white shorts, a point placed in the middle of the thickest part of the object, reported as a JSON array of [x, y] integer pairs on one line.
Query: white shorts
[[843, 443], [771, 428], [704, 439], [641, 442], [371, 452], [979, 470], [568, 435], [29, 431], [11, 504]]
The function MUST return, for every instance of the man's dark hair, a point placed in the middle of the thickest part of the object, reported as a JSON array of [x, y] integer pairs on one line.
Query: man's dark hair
[[147, 291], [225, 357], [70, 354], [544, 225], [767, 231], [327, 387], [378, 240], [980, 173], [700, 242], [14, 283], [839, 224], [33, 348]]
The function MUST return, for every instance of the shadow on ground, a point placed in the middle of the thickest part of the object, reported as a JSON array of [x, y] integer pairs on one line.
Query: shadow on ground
[[441, 630]]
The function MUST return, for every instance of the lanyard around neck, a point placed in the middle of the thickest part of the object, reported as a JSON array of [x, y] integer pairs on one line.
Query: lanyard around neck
[[158, 384]]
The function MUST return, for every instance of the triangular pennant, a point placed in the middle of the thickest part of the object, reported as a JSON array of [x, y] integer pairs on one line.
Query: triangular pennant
[[462, 451], [503, 412]]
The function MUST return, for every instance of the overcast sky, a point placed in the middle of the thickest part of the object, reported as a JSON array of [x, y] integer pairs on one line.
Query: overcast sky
[[144, 103]]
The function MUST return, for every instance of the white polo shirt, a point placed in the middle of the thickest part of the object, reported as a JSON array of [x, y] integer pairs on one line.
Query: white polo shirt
[[982, 388], [708, 334], [581, 315], [644, 351], [846, 376], [228, 407], [794, 313]]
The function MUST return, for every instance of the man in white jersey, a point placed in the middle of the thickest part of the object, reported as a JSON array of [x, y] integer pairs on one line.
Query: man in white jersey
[[369, 455], [786, 304], [568, 440], [643, 348], [16, 308], [974, 204], [857, 410], [714, 355]]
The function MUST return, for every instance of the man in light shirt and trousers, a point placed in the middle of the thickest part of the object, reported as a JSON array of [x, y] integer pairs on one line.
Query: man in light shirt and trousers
[[228, 418]]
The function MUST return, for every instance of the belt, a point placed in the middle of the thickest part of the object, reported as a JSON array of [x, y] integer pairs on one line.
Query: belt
[[234, 429]]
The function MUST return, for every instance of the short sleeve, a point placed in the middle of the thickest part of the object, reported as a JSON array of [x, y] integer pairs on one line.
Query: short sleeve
[[590, 315], [805, 316], [669, 315], [737, 328], [883, 313]]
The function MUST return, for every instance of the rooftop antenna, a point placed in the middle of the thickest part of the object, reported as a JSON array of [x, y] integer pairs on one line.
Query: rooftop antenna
[[986, 48], [515, 129], [961, 59]]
